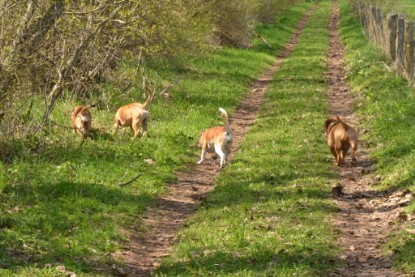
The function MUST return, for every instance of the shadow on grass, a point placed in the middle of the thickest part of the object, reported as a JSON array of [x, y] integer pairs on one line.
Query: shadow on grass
[[73, 221], [264, 261]]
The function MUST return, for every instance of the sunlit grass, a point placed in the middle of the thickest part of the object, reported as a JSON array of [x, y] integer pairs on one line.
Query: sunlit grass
[[406, 7], [61, 203], [387, 112], [270, 212]]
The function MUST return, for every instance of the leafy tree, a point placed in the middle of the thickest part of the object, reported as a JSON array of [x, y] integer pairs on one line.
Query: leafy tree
[[48, 47]]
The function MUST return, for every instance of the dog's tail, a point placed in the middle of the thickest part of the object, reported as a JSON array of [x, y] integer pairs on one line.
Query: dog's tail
[[225, 114], [81, 108], [149, 98], [329, 122], [345, 125]]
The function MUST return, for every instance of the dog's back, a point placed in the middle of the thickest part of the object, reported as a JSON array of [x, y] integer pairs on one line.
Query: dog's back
[[129, 113], [212, 135]]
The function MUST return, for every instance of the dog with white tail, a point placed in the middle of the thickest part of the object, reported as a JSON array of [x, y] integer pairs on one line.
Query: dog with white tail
[[218, 137]]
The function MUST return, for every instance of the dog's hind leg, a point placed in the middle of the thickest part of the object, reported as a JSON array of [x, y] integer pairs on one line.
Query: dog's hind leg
[[144, 123], [340, 157], [353, 148], [135, 125], [333, 151], [219, 151]]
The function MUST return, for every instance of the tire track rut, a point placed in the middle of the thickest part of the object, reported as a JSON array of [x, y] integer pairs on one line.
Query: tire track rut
[[365, 216]]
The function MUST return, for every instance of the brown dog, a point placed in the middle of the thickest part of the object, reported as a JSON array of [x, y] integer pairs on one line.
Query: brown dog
[[219, 137], [81, 120], [132, 115], [340, 138]]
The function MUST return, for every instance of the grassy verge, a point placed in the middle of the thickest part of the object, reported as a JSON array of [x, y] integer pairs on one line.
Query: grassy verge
[[270, 212], [387, 110], [406, 7], [61, 204]]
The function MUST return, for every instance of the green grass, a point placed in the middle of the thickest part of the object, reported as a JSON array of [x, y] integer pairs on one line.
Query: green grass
[[387, 110], [407, 7], [270, 212], [61, 204]]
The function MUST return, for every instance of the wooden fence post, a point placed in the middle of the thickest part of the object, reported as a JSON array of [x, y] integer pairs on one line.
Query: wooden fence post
[[409, 51], [379, 23], [362, 14], [392, 33], [372, 25], [400, 47]]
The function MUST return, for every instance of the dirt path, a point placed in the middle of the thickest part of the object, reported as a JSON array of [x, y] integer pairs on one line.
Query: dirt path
[[162, 222], [366, 217]]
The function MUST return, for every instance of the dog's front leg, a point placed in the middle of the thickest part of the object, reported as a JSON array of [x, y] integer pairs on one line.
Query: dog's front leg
[[136, 134], [203, 156], [115, 128]]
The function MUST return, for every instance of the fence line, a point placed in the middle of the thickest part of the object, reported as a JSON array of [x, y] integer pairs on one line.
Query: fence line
[[393, 34]]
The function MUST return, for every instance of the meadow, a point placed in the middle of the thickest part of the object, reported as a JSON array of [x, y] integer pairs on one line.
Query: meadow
[[61, 204], [261, 218], [269, 215], [407, 7]]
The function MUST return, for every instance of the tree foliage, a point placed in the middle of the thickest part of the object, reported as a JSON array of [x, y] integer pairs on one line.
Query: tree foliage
[[47, 47]]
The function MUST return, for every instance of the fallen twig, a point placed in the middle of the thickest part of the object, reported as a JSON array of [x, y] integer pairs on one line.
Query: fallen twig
[[129, 182], [263, 40], [123, 177]]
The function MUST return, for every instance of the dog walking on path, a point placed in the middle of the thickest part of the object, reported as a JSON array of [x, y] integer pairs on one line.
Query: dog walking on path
[[340, 138], [219, 137]]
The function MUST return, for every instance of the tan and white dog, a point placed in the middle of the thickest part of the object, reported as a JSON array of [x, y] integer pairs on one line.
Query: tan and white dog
[[81, 120], [340, 138], [219, 137], [132, 115]]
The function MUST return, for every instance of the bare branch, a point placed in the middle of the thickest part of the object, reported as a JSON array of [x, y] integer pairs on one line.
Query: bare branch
[[65, 72]]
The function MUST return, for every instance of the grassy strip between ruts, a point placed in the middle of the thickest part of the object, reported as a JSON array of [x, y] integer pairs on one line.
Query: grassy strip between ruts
[[387, 111], [270, 212], [61, 204]]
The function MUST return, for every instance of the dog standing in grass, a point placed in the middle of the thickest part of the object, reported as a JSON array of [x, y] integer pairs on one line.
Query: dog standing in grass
[[340, 138], [219, 137], [134, 114], [81, 120]]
